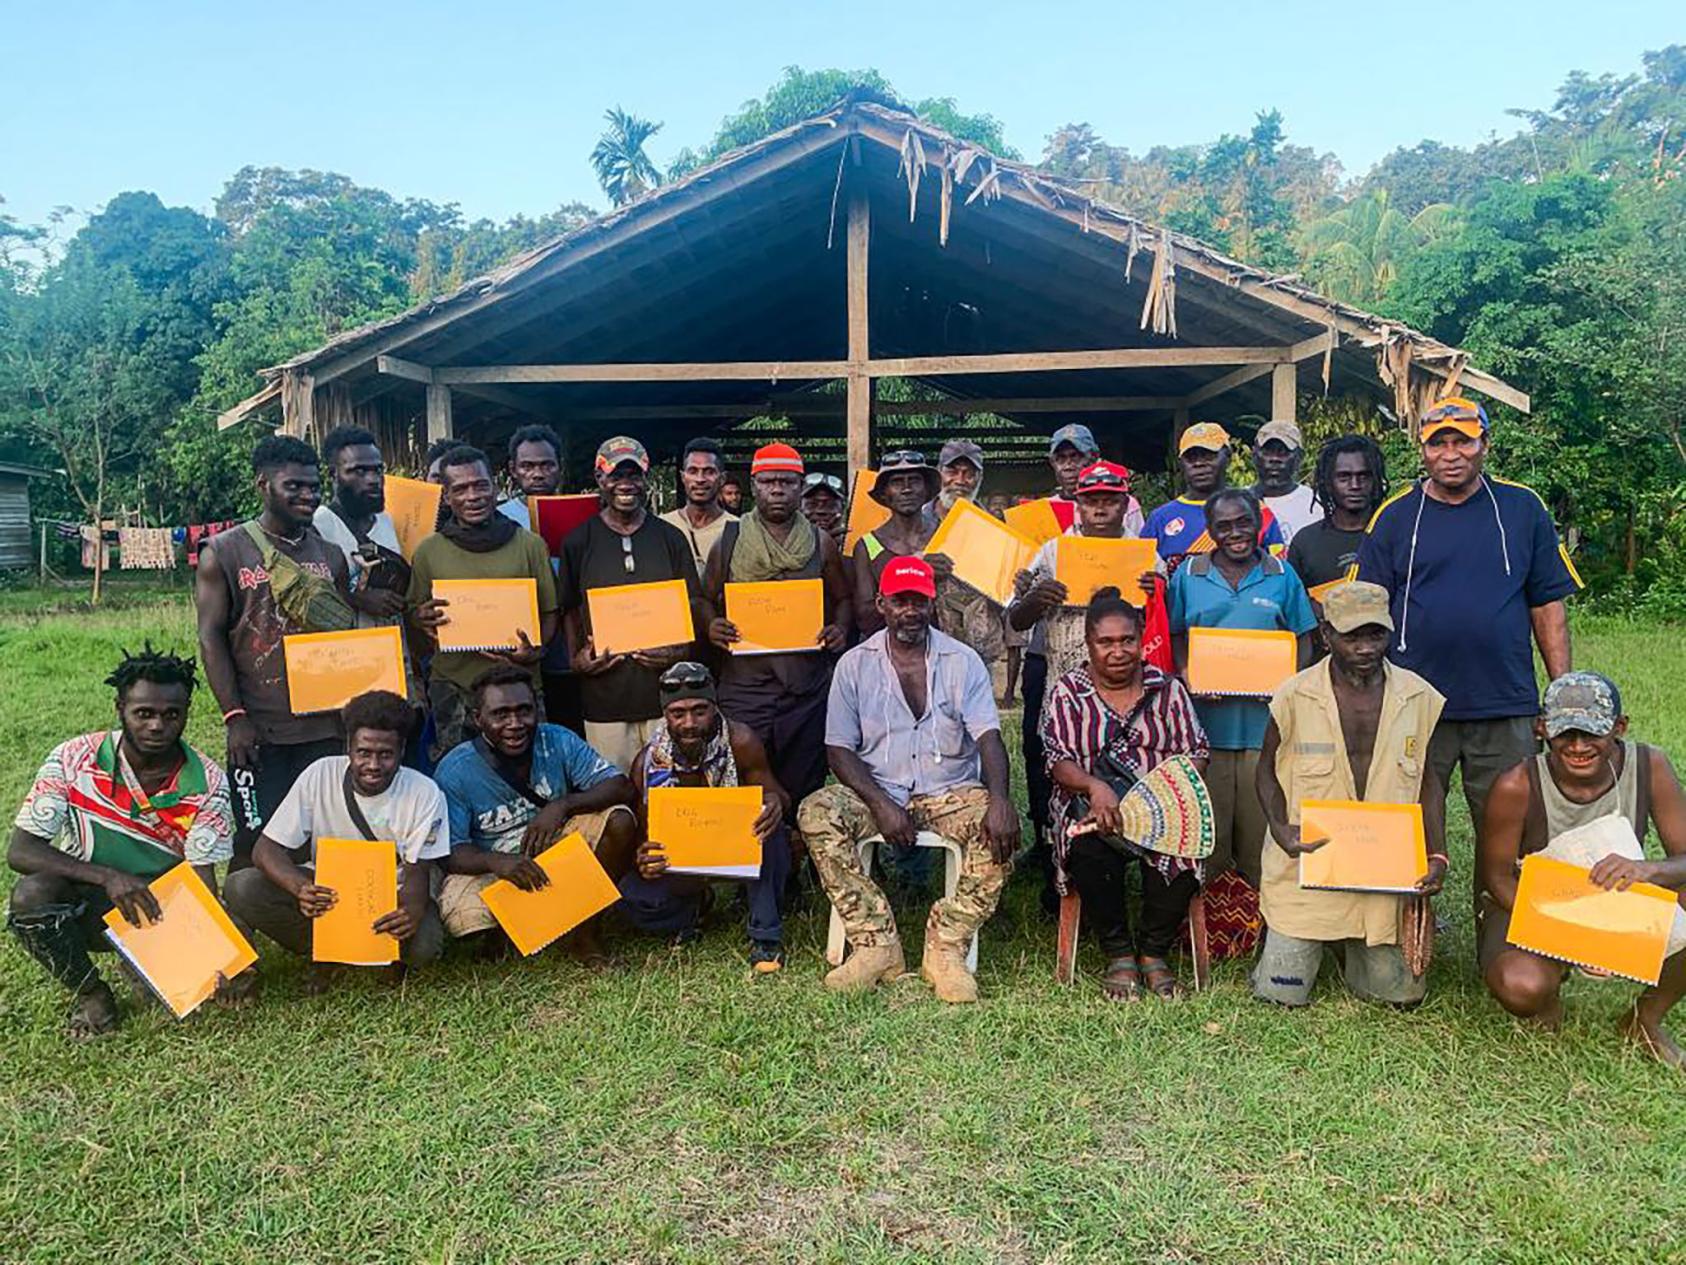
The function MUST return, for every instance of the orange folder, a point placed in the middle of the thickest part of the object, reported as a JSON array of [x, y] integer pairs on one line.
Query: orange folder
[[775, 616], [628, 617], [709, 830], [1371, 848], [364, 875], [1561, 913], [487, 614], [1034, 519], [414, 507], [1242, 661], [865, 514], [554, 517], [986, 553], [1087, 563], [1319, 592], [579, 887], [181, 954], [325, 671]]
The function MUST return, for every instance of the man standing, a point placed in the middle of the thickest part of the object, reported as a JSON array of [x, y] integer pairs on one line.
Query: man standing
[[1350, 482], [517, 788], [779, 697], [476, 543], [1277, 452], [623, 543], [108, 812], [535, 467], [1472, 566], [731, 492], [1072, 450], [1352, 727], [962, 611], [363, 794], [272, 576], [914, 739], [700, 516], [697, 745], [1180, 525], [823, 505], [905, 484]]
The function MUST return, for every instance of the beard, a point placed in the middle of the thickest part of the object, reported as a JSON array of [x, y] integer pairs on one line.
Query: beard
[[949, 497]]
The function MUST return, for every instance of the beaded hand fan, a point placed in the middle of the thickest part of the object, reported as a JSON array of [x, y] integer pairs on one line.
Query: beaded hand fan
[[1169, 810]]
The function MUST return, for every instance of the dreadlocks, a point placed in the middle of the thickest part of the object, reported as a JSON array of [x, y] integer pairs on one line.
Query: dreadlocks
[[1323, 481], [152, 665]]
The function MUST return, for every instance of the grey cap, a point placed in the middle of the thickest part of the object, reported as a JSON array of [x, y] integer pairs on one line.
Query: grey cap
[[960, 450], [1582, 700], [1077, 435], [1283, 432]]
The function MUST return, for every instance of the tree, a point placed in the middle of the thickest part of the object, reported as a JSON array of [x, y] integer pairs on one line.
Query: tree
[[1355, 253], [623, 168]]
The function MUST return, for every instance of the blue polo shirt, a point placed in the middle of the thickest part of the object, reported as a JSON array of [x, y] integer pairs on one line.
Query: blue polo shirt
[[1462, 579], [489, 813], [1269, 597]]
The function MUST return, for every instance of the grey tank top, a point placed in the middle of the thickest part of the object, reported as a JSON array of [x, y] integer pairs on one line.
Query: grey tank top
[[1562, 814]]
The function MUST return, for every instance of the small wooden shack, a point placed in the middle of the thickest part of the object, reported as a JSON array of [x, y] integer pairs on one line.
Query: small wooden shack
[[17, 547], [770, 292]]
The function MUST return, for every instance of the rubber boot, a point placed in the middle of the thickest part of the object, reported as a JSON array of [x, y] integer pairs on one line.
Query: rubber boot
[[867, 967], [944, 968]]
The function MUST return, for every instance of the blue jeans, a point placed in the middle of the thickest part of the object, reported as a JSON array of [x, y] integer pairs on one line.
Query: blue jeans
[[670, 905]]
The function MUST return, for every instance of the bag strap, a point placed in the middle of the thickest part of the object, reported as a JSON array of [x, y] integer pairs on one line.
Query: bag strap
[[506, 771], [1642, 792], [351, 806], [728, 546]]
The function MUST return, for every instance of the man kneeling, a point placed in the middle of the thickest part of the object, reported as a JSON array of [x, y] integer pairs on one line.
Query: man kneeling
[[363, 794], [695, 744], [514, 789], [913, 736], [1589, 771], [1353, 727]]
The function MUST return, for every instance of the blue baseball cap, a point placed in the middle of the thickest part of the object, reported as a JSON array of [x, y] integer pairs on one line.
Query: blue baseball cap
[[1077, 435]]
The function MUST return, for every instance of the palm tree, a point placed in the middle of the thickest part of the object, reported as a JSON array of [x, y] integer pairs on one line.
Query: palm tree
[[1355, 253], [623, 168]]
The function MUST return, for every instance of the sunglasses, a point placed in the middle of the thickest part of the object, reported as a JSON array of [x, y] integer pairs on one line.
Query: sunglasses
[[686, 676], [627, 560], [1455, 413], [904, 457]]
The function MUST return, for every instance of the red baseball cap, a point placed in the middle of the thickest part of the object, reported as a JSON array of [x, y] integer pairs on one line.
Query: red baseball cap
[[908, 575], [1103, 476], [776, 457]]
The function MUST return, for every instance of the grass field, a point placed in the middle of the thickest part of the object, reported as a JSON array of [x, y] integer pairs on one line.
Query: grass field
[[676, 1109]]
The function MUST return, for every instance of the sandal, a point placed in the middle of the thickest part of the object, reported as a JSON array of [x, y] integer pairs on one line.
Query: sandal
[[1122, 979], [1162, 981]]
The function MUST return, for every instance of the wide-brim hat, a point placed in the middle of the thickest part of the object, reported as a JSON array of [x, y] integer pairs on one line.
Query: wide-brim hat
[[903, 462]]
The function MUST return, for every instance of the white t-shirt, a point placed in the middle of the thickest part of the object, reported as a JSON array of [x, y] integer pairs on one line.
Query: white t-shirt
[[1295, 510], [411, 812], [331, 527]]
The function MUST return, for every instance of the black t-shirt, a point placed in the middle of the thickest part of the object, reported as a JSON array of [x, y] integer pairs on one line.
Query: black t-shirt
[[1322, 552], [593, 557]]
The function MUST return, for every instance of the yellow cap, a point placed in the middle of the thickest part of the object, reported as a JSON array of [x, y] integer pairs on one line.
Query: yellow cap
[[1204, 435]]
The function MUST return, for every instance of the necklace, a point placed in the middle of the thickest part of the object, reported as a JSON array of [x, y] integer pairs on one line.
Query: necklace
[[295, 541]]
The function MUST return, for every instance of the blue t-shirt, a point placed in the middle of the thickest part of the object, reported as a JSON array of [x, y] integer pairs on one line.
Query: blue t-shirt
[[1180, 528], [1460, 606], [1269, 597], [489, 813]]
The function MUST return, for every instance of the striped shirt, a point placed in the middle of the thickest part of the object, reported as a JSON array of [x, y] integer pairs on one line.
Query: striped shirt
[[1079, 725]]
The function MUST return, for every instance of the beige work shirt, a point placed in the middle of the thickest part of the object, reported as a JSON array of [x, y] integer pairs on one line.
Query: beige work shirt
[[1312, 763]]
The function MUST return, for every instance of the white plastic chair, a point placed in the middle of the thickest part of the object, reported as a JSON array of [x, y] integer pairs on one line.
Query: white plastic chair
[[836, 938]]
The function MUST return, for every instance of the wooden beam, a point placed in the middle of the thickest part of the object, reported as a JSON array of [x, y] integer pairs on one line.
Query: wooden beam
[[1060, 361], [251, 404], [512, 400], [858, 417], [439, 423], [298, 403], [1283, 392], [1226, 383], [396, 368], [732, 371], [1485, 383], [837, 406]]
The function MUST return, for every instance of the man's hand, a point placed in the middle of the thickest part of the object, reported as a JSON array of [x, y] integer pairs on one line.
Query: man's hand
[[524, 655], [661, 658], [519, 869], [1001, 829], [894, 824], [431, 613], [1294, 843], [587, 662], [1022, 583], [723, 632], [243, 743], [770, 817], [942, 566], [1616, 873], [1045, 595], [401, 923], [378, 603], [1431, 882], [1103, 808], [835, 638], [544, 827], [315, 900], [1149, 582], [652, 859], [131, 895]]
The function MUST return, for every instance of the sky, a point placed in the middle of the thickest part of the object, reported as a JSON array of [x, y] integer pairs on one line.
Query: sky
[[495, 105]]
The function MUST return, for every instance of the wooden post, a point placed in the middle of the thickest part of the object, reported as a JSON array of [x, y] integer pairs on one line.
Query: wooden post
[[1282, 393], [298, 404], [439, 424], [1179, 423], [859, 411]]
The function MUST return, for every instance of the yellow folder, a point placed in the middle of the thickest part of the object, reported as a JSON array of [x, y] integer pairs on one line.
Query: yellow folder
[[1246, 662], [1319, 593], [364, 875], [325, 671], [986, 553], [487, 614], [181, 954], [1087, 563], [628, 617], [579, 887], [1034, 519], [775, 616], [1371, 848], [865, 514], [1561, 913], [413, 505], [708, 829]]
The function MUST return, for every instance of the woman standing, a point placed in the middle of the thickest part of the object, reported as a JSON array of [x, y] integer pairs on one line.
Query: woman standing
[[1107, 721]]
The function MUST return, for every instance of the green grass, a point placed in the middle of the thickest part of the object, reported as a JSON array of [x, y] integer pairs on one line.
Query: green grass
[[679, 1110]]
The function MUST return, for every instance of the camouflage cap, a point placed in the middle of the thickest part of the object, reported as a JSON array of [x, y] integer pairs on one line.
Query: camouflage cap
[[1582, 700]]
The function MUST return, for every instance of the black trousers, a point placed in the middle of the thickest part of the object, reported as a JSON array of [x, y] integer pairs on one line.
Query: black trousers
[[258, 792], [1035, 771], [59, 922], [791, 728], [1101, 875]]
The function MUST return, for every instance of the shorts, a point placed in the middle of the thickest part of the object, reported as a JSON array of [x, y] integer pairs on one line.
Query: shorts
[[1288, 966]]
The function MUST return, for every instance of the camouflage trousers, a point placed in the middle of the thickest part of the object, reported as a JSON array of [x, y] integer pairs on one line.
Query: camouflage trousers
[[834, 821]]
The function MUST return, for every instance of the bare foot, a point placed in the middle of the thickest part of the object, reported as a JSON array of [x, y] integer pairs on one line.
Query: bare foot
[[1648, 1033], [239, 992], [584, 947], [1550, 1019], [94, 1014]]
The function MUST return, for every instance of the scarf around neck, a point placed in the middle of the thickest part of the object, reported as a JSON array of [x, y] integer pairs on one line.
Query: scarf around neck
[[663, 765], [759, 556], [496, 532]]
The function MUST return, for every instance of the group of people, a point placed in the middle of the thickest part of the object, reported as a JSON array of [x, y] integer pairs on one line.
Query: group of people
[[1415, 659]]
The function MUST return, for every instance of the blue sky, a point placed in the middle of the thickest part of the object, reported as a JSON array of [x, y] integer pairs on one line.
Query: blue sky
[[495, 105]]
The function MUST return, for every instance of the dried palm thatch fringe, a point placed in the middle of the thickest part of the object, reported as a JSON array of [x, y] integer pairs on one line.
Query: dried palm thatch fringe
[[989, 188], [1133, 246], [1416, 387], [1329, 355], [1159, 309], [913, 167], [947, 203]]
